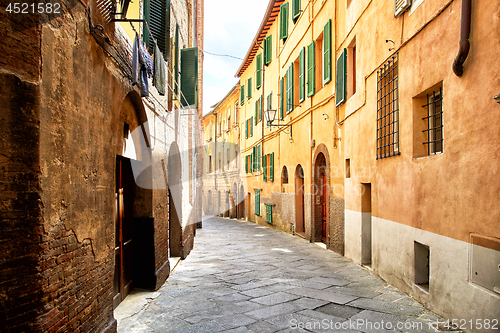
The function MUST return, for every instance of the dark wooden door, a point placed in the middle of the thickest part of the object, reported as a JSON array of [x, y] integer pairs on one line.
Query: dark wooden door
[[123, 230], [323, 204]]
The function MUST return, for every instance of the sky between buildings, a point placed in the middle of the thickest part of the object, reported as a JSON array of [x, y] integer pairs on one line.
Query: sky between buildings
[[230, 26]]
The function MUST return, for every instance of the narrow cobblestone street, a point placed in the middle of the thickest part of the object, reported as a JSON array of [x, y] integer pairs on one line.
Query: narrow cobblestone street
[[243, 277]]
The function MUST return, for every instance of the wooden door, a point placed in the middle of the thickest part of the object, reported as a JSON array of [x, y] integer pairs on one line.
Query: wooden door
[[323, 204], [123, 230]]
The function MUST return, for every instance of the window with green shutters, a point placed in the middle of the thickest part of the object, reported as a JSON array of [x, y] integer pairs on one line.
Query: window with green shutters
[[176, 62], [260, 108], [157, 16], [310, 70], [327, 52], [284, 21], [268, 165], [189, 76], [257, 202], [340, 92], [258, 73], [246, 129], [295, 9], [250, 125], [271, 167], [249, 88], [269, 213], [302, 75], [282, 98], [246, 164], [242, 94], [268, 50], [289, 89]]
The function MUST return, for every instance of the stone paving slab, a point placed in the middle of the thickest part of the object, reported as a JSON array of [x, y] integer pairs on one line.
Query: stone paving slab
[[246, 278]]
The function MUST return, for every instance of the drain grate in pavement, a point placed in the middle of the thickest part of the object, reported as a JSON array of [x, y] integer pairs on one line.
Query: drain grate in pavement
[[338, 310]]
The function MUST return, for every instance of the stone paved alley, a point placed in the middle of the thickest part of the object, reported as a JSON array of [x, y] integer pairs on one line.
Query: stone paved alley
[[243, 277]]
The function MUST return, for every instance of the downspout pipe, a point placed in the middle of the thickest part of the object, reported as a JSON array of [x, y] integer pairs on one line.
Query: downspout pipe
[[464, 46]]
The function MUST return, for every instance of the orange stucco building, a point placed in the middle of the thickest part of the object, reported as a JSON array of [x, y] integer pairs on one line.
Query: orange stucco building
[[384, 150]]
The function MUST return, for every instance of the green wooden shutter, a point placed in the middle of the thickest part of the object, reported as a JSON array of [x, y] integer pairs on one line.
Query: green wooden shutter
[[268, 49], [242, 95], [271, 171], [302, 75], [246, 164], [295, 9], [264, 164], [189, 76], [282, 98], [176, 62], [260, 108], [249, 88], [257, 202], [327, 52], [310, 70], [258, 75], [246, 129], [269, 213], [147, 18], [256, 111], [289, 89], [251, 126], [340, 93], [284, 21], [158, 18]]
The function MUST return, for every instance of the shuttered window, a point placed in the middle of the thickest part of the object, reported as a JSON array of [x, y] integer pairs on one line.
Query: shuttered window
[[289, 89], [249, 88], [271, 171], [269, 213], [246, 129], [242, 95], [258, 73], [302, 75], [268, 165], [284, 21], [268, 49], [327, 52], [256, 111], [264, 165], [189, 76], [257, 202], [400, 6], [310, 70], [340, 93], [246, 164], [260, 108], [250, 125], [295, 9], [282, 98], [176, 61], [157, 15]]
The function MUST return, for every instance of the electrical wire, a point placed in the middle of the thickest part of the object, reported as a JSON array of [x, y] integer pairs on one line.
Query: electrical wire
[[221, 55]]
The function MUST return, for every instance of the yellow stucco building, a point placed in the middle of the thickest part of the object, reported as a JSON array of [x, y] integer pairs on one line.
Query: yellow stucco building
[[382, 147]]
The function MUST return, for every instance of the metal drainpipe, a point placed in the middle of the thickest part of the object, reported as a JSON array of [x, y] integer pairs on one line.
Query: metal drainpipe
[[464, 46]]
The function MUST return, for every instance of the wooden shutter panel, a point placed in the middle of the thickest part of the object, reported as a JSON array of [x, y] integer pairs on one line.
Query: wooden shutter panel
[[289, 89], [282, 98], [176, 62], [258, 78], [260, 108], [327, 53], [302, 73], [159, 23], [242, 95], [256, 111], [189, 76], [295, 9], [249, 88], [400, 6], [340, 93], [284, 21], [147, 17], [310, 70], [268, 49], [251, 127], [246, 129], [257, 202], [246, 164], [271, 172], [264, 164]]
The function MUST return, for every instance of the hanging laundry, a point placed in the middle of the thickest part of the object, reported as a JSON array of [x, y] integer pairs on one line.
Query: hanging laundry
[[159, 72], [135, 60], [145, 59]]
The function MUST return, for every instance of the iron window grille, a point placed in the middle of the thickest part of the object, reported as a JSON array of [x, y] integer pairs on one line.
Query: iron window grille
[[388, 109], [434, 122]]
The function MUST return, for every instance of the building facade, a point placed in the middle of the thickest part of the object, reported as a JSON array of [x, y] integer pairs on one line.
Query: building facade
[[378, 152], [99, 184]]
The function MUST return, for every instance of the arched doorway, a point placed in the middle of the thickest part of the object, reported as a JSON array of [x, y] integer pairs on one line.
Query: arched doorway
[[321, 193], [175, 201], [299, 201]]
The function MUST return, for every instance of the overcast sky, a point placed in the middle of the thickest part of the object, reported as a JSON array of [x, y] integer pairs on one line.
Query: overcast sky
[[230, 26]]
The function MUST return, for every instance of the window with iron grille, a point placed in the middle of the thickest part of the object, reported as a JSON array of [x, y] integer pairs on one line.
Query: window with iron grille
[[388, 109], [434, 121]]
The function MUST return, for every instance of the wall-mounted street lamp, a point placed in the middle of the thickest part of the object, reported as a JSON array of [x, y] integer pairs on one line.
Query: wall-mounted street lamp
[[270, 116]]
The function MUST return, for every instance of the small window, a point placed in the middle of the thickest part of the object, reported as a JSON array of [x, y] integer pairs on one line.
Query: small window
[[388, 109], [284, 21], [434, 122], [242, 94], [258, 72], [347, 168], [269, 213], [422, 266], [249, 88], [296, 10], [284, 175], [268, 49]]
